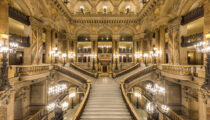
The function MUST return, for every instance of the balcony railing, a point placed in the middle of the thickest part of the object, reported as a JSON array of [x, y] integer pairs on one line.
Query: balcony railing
[[23, 70], [182, 69]]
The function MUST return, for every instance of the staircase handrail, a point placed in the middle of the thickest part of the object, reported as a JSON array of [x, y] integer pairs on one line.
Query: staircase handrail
[[129, 105], [69, 73], [84, 71], [39, 115], [83, 104], [125, 71], [140, 73]]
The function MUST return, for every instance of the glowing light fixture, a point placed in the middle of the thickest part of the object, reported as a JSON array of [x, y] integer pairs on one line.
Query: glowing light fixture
[[51, 106], [72, 95]]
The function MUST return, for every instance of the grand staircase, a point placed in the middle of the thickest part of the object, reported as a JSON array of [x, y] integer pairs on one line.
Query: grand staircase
[[105, 102]]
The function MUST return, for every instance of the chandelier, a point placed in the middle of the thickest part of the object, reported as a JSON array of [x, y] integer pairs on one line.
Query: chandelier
[[57, 89], [150, 108], [156, 89]]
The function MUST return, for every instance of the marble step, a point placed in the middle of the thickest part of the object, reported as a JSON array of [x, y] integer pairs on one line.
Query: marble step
[[119, 116], [105, 119], [106, 106], [105, 110]]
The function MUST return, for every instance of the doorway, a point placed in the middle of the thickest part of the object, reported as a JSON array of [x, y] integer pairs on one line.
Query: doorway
[[105, 69]]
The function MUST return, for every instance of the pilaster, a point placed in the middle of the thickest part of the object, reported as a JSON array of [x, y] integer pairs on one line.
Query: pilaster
[[116, 40], [162, 45], [174, 41], [48, 45], [4, 20]]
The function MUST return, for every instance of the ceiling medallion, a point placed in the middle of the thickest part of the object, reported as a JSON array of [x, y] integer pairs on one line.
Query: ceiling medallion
[[116, 28], [53, 11], [94, 28], [138, 27], [72, 27]]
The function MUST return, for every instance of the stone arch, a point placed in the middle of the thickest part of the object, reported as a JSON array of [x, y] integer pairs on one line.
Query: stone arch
[[127, 30], [104, 30], [82, 30]]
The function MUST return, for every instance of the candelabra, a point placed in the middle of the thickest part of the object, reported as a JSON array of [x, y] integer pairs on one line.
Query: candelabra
[[64, 58], [138, 56], [5, 50], [94, 57], [55, 53], [116, 62], [155, 53], [137, 95], [71, 96], [145, 58], [71, 56], [152, 107]]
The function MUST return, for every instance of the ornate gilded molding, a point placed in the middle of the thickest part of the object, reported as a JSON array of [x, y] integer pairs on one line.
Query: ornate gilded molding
[[62, 8]]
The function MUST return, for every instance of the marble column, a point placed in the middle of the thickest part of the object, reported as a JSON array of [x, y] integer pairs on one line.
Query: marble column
[[141, 49], [75, 59], [94, 48], [135, 51], [68, 50], [4, 20], [207, 55], [202, 110], [53, 44], [157, 43], [48, 45], [174, 41], [135, 48], [36, 41], [162, 45], [116, 40]]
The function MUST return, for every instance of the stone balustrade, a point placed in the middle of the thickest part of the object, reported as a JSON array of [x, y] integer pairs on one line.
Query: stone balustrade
[[181, 69], [23, 70]]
